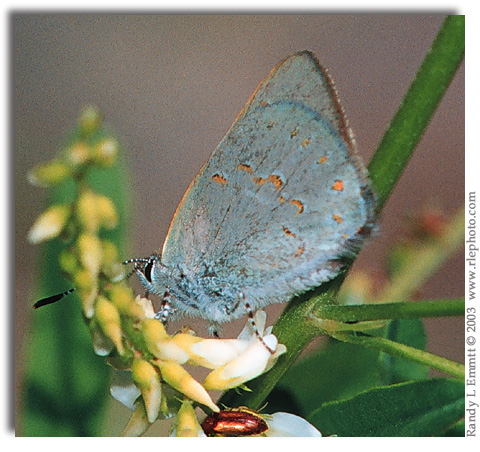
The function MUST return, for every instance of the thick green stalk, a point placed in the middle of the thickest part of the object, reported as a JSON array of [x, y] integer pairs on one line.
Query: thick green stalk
[[393, 348], [390, 311]]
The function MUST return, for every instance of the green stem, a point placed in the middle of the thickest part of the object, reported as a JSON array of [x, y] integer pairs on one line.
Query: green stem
[[418, 106], [393, 348], [391, 311]]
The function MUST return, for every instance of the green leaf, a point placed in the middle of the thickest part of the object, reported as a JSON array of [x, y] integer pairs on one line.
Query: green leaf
[[412, 333], [457, 430], [420, 408], [339, 370]]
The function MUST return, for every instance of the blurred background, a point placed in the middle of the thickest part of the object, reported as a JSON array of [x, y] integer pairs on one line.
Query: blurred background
[[171, 85]]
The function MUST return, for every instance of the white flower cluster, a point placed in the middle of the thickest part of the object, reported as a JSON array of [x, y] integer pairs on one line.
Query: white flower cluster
[[154, 390]]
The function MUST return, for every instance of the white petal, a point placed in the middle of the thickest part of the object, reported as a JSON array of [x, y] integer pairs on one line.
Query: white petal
[[248, 333], [250, 364], [170, 351], [217, 352], [279, 350], [123, 389], [146, 305], [253, 361], [286, 424]]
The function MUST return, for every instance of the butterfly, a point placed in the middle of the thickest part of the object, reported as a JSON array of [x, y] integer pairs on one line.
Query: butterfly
[[280, 205]]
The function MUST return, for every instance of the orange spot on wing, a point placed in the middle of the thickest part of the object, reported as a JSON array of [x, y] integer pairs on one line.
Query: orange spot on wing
[[338, 185], [281, 199], [264, 103], [244, 167], [293, 133], [300, 251], [259, 180], [275, 180], [306, 142], [219, 179], [337, 218], [297, 203], [288, 232], [323, 159]]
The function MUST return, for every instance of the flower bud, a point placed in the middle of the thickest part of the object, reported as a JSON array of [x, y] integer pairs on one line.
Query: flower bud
[[111, 267], [90, 120], [49, 224], [102, 345], [160, 344], [140, 309], [48, 174], [187, 424], [146, 378], [109, 252], [106, 211], [68, 261], [138, 423], [153, 332], [90, 252], [108, 318], [78, 154], [178, 378], [121, 296], [88, 297], [87, 211], [105, 152], [87, 289], [83, 279]]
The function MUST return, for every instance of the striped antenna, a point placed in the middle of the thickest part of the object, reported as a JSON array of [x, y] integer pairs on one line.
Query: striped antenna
[[52, 299]]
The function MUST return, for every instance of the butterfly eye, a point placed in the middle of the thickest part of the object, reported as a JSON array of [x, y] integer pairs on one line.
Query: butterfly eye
[[148, 271]]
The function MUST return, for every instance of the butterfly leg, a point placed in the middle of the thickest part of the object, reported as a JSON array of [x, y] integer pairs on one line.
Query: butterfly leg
[[251, 318], [165, 308], [213, 329]]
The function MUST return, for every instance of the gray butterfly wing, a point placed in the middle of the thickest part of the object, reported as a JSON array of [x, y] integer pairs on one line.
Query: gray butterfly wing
[[281, 200]]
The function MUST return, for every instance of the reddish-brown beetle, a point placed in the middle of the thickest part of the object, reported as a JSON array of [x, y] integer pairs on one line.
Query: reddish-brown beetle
[[241, 421]]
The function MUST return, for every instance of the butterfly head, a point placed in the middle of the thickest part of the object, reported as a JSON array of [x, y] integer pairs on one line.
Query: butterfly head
[[144, 268]]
